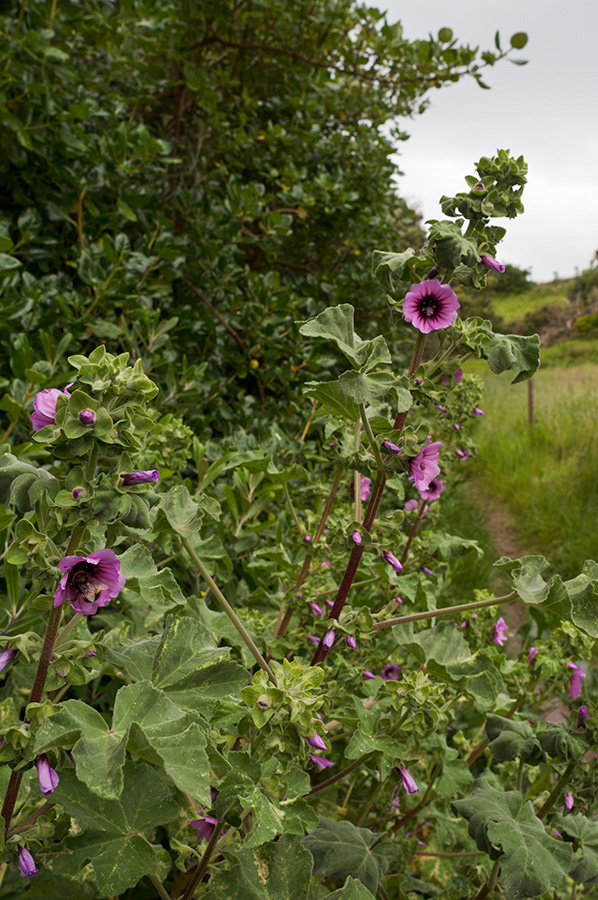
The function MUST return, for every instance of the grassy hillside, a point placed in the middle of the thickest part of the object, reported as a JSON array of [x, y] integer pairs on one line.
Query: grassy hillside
[[514, 307], [546, 474]]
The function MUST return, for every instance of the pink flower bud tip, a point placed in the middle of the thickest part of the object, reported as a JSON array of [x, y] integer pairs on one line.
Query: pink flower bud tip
[[320, 761], [351, 641], [329, 639], [582, 715], [87, 417], [491, 263], [27, 867], [408, 781], [568, 800], [392, 561], [316, 610], [356, 537], [6, 657], [317, 742], [129, 478], [368, 674], [500, 632], [391, 448], [47, 776]]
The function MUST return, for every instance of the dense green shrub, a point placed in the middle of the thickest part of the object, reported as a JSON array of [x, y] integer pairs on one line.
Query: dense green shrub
[[184, 180]]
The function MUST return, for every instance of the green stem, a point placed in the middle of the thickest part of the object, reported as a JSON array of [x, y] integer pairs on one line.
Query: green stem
[[554, 794], [67, 629], [485, 890], [203, 865], [369, 802], [92, 462], [338, 776], [229, 611], [445, 611], [357, 478], [285, 488], [372, 440], [159, 887], [520, 776], [284, 616], [418, 518], [382, 892], [25, 824]]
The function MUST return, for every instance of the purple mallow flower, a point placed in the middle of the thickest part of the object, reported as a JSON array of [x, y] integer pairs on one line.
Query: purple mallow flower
[[430, 306], [87, 417], [315, 608], [320, 761], [433, 491], [458, 375], [351, 641], [356, 537], [442, 409], [46, 775], [408, 782], [6, 657], [390, 672], [575, 680], [463, 454], [411, 504], [368, 674], [582, 715], [27, 867], [568, 801], [326, 564], [317, 742], [44, 408], [477, 411], [129, 478], [456, 426], [427, 571], [392, 561], [424, 467], [530, 655], [313, 639], [89, 581], [204, 827], [76, 492], [491, 263], [365, 486], [500, 632], [329, 639], [391, 448]]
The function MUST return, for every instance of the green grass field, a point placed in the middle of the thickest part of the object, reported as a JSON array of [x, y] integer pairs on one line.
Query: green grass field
[[513, 307], [547, 475]]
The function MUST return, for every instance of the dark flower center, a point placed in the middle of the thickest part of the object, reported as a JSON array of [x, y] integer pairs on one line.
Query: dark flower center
[[428, 307]]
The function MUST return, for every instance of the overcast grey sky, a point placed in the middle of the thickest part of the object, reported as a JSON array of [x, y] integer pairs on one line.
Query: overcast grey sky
[[546, 110]]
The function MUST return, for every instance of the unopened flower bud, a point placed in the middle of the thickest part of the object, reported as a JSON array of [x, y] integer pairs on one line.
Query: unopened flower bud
[[87, 417], [129, 478]]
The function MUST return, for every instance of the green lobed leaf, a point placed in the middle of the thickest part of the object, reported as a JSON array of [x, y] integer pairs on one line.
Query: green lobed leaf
[[513, 352], [390, 268], [584, 832], [342, 849], [352, 889], [448, 657], [113, 843], [575, 600], [184, 663], [185, 514], [559, 742], [271, 872], [507, 828], [510, 740], [336, 323]]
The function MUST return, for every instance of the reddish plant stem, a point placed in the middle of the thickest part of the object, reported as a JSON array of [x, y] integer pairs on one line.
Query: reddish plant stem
[[414, 527], [283, 624], [354, 560], [375, 498], [12, 791]]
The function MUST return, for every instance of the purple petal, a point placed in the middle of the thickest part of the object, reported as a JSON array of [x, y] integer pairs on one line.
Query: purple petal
[[129, 478], [430, 306], [46, 775], [27, 867], [500, 632], [319, 761], [408, 781]]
